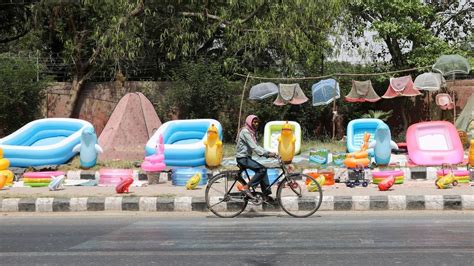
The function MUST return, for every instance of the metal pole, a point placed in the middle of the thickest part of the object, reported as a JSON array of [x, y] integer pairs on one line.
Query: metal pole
[[241, 103]]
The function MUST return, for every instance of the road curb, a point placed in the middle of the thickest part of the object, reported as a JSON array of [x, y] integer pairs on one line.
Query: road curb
[[186, 204]]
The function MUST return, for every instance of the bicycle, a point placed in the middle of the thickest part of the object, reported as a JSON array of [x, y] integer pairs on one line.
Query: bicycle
[[298, 194]]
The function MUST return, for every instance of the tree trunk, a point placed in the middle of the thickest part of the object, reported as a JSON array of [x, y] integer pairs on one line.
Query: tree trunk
[[76, 88]]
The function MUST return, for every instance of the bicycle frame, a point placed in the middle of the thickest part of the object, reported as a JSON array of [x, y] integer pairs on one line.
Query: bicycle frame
[[283, 173]]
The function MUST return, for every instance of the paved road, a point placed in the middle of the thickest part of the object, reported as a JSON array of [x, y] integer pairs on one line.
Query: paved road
[[353, 238]]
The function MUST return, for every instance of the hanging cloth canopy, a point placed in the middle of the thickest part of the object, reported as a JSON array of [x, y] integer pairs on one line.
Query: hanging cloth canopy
[[362, 91], [449, 65], [466, 118], [402, 86], [263, 90], [429, 81], [325, 91], [290, 94], [444, 101]]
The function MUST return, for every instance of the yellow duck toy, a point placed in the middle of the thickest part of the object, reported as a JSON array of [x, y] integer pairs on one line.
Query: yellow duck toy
[[213, 145], [312, 187], [446, 181], [286, 143], [193, 181], [4, 164]]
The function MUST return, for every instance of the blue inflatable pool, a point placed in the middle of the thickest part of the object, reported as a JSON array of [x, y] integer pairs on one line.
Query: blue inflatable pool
[[355, 133], [184, 141], [46, 141], [181, 175]]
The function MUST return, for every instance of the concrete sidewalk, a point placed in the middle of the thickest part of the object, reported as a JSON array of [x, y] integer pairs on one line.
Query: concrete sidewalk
[[412, 195]]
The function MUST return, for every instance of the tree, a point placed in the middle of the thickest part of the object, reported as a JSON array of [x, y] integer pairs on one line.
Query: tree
[[21, 93], [15, 20], [287, 36], [90, 34], [415, 33]]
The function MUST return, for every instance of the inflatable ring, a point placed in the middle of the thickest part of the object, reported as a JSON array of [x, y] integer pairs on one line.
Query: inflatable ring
[[37, 180], [462, 176], [398, 179], [37, 184], [378, 176], [46, 174]]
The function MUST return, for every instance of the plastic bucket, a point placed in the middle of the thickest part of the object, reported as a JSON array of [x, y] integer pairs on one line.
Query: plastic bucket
[[328, 176]]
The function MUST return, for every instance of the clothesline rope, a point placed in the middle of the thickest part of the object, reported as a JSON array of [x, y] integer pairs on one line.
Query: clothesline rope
[[248, 76], [336, 74]]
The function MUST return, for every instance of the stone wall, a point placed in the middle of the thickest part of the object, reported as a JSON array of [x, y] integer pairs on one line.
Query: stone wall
[[97, 100]]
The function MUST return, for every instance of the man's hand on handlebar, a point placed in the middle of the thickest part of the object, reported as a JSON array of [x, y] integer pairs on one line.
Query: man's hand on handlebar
[[272, 155]]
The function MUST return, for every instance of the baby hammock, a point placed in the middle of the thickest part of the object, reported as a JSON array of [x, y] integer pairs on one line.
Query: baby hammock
[[402, 86], [290, 93], [362, 91]]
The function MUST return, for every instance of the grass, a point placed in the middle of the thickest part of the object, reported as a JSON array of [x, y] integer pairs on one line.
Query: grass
[[228, 151]]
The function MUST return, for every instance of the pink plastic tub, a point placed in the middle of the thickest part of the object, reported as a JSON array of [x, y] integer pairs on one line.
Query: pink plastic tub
[[112, 177], [434, 143]]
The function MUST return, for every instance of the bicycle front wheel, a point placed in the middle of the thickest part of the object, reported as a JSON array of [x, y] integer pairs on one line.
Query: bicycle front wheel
[[223, 198], [299, 195]]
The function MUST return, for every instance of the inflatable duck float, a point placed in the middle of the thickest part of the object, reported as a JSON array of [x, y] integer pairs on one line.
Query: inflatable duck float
[[88, 148], [382, 145], [286, 143], [360, 158], [6, 176], [213, 144]]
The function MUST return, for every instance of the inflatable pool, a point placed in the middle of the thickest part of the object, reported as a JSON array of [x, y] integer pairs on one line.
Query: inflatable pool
[[434, 143], [43, 142], [183, 140], [113, 177], [273, 130], [180, 176], [355, 133]]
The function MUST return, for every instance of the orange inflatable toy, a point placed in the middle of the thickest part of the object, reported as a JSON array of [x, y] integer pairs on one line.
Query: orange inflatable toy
[[360, 158]]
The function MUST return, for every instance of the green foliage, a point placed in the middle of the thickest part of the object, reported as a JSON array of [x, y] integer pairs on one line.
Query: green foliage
[[378, 114], [242, 35], [21, 93], [91, 34], [200, 91], [414, 33]]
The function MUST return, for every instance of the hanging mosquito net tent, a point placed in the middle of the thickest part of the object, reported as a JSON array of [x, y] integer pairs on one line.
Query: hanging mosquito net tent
[[452, 64], [263, 90], [429, 81]]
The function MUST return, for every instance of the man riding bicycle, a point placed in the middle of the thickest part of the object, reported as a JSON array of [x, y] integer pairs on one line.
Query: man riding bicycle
[[246, 145]]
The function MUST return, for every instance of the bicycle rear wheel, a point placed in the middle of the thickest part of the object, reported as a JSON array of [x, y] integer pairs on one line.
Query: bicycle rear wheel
[[299, 195], [223, 198]]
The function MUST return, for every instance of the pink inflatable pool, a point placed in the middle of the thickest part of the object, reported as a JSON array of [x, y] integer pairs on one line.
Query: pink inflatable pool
[[434, 143], [112, 177]]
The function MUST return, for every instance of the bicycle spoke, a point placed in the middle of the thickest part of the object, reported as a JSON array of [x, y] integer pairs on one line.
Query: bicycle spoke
[[296, 198], [223, 198]]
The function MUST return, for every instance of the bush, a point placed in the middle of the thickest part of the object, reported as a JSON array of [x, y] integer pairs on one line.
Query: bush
[[200, 91], [20, 94]]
